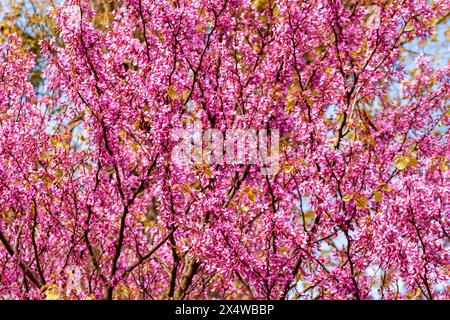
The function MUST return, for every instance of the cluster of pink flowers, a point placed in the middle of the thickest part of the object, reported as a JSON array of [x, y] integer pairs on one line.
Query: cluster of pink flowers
[[92, 205]]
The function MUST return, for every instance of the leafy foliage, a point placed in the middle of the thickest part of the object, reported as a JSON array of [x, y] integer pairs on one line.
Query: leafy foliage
[[92, 206]]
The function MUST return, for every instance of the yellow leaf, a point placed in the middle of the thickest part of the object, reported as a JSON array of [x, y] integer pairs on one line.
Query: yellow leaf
[[172, 93], [378, 196], [418, 293], [412, 161], [410, 295], [309, 215], [347, 198], [308, 101], [186, 188], [354, 54], [413, 294], [110, 170], [260, 4], [351, 135], [251, 195], [55, 142], [361, 202], [196, 185], [243, 209], [276, 12], [208, 171], [52, 294], [401, 163], [185, 94], [7, 216], [290, 105], [176, 186]]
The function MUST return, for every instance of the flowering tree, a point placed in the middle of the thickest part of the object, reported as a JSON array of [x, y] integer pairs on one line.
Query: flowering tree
[[93, 205]]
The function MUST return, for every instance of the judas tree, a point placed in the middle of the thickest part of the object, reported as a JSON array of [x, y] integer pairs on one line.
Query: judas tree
[[93, 204]]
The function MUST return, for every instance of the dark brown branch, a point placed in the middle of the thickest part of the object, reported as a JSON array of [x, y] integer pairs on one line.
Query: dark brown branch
[[30, 275]]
